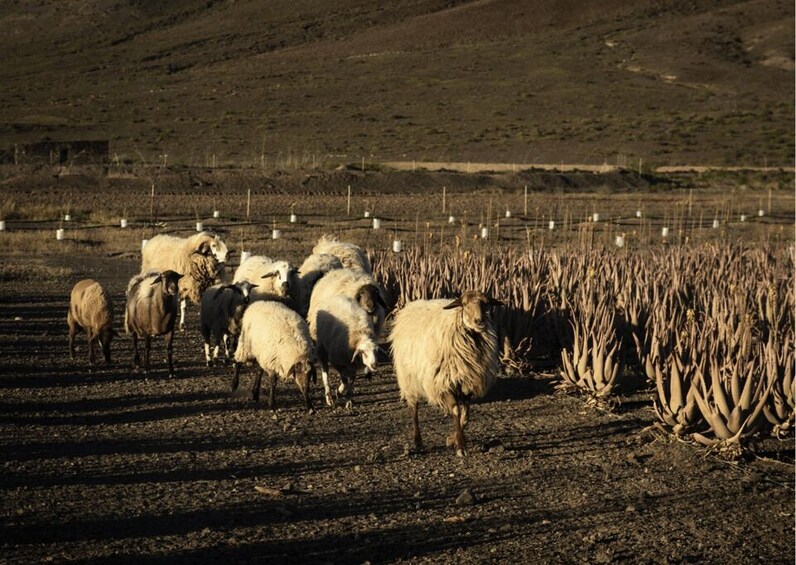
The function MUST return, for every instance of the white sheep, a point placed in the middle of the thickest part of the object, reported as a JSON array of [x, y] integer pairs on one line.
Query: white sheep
[[358, 285], [151, 311], [271, 277], [278, 340], [91, 311], [221, 315], [346, 341], [309, 273], [446, 352], [352, 256], [200, 257]]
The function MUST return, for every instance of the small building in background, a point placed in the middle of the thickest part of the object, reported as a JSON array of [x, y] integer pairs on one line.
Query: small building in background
[[58, 153]]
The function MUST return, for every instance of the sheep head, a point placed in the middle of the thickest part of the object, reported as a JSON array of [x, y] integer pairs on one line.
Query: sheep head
[[169, 281], [302, 372], [283, 273], [474, 306], [366, 352], [244, 288], [369, 297], [211, 245]]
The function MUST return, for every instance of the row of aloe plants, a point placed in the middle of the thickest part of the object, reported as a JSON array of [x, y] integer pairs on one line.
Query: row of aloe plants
[[710, 328]]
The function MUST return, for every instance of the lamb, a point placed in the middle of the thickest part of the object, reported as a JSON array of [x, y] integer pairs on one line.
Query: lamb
[[200, 257], [350, 255], [446, 352], [272, 277], [312, 269], [278, 339], [91, 310], [152, 300], [347, 341], [221, 314], [353, 284]]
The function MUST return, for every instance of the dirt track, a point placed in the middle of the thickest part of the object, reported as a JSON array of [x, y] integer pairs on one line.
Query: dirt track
[[109, 466]]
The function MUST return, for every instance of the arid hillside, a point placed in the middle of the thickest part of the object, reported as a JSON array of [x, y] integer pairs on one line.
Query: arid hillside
[[300, 83]]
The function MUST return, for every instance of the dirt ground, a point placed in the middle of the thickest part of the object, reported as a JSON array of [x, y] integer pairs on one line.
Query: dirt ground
[[111, 466]]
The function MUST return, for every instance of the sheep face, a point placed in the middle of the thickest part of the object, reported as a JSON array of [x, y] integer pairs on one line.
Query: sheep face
[[475, 311], [366, 352], [245, 289], [282, 274], [213, 246], [369, 297], [169, 281]]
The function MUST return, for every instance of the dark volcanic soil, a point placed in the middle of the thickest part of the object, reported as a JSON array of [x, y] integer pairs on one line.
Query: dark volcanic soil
[[111, 466]]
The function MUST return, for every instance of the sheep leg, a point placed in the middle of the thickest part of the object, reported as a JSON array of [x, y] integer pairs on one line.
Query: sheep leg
[[256, 386], [216, 344], [170, 352], [147, 348], [346, 387], [183, 304], [235, 378], [91, 344], [323, 358], [272, 392], [105, 345], [136, 356], [72, 332], [228, 341], [416, 439], [456, 413], [208, 360], [464, 414], [205, 331]]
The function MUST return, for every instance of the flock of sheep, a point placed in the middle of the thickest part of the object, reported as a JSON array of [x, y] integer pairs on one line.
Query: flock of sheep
[[330, 311]]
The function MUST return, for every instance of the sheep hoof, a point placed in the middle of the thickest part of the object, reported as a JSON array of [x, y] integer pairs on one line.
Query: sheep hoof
[[182, 328], [329, 399], [450, 441], [349, 404], [460, 452]]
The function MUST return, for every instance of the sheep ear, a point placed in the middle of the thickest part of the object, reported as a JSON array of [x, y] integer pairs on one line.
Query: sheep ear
[[254, 286], [157, 280], [204, 249], [455, 304], [268, 275], [494, 302], [354, 357], [380, 300]]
